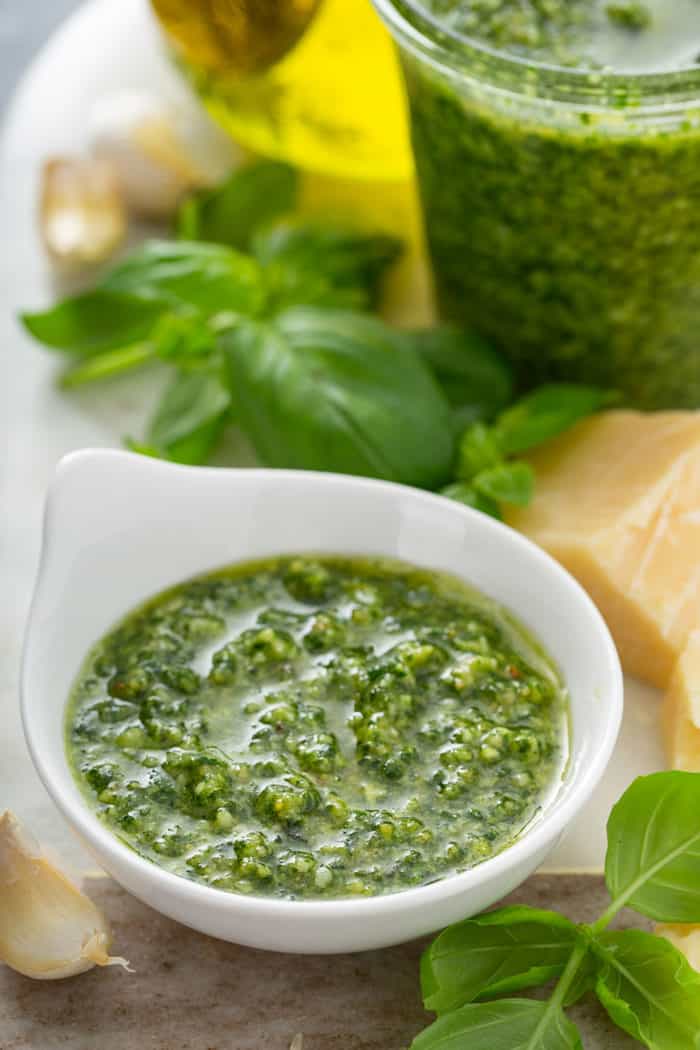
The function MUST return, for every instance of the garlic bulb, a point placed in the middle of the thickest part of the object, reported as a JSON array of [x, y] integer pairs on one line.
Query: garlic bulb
[[160, 150], [81, 211], [48, 928], [686, 939]]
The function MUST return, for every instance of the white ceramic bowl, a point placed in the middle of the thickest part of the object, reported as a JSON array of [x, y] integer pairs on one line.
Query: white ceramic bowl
[[120, 528]]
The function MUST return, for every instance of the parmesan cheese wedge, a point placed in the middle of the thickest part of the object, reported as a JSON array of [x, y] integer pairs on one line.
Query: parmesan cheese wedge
[[685, 938], [617, 502], [681, 711]]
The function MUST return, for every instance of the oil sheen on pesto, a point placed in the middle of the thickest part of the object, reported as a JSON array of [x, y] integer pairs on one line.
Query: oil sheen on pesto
[[565, 231], [620, 35], [325, 727]]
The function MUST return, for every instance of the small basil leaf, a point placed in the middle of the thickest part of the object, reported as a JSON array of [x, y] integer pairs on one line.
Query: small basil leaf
[[142, 448], [197, 448], [507, 483], [94, 322], [180, 338], [649, 989], [192, 400], [500, 952], [328, 390], [193, 450], [545, 413], [476, 379], [464, 492], [204, 277], [325, 264], [507, 1024], [478, 450], [108, 364], [583, 981], [463, 416], [230, 213], [653, 857]]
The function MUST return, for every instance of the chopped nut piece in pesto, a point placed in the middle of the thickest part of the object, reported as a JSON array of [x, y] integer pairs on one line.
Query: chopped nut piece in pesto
[[318, 727]]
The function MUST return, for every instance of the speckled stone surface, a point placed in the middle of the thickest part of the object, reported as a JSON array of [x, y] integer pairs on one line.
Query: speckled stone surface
[[190, 992]]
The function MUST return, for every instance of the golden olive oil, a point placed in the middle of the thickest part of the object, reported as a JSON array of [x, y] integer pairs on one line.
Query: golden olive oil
[[313, 82]]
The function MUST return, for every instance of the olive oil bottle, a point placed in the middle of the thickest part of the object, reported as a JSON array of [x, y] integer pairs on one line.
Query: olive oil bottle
[[312, 82]]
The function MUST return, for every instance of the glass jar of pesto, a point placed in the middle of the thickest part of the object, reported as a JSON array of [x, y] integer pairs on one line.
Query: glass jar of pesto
[[558, 154]]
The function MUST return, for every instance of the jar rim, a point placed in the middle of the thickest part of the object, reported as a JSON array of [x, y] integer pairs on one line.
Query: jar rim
[[413, 25]]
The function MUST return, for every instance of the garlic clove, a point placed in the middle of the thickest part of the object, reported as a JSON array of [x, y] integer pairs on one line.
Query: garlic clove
[[160, 151], [685, 938], [297, 1042], [48, 928], [82, 214]]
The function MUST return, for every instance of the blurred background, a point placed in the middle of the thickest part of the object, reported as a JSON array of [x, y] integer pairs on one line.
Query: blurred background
[[24, 26]]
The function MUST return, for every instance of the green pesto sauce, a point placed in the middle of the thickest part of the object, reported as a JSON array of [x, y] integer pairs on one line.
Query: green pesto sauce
[[567, 236], [619, 35], [318, 728], [622, 36]]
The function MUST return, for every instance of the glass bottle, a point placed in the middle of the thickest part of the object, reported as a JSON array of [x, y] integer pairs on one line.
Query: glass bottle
[[312, 82]]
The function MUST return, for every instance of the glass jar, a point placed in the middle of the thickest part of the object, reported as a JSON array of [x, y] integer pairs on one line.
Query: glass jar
[[562, 210], [313, 82]]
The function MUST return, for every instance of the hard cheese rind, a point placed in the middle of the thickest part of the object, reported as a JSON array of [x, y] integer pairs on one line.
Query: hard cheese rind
[[618, 504]]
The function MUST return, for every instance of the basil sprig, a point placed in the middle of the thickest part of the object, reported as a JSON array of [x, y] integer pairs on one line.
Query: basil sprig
[[645, 984], [487, 474], [263, 320]]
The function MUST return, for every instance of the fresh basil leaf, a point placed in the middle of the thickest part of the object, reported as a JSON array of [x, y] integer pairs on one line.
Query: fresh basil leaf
[[545, 413], [197, 448], [507, 483], [583, 981], [324, 264], [193, 450], [329, 390], [507, 1024], [649, 989], [184, 274], [287, 287], [180, 338], [142, 449], [192, 400], [653, 856], [462, 417], [476, 379], [464, 492], [494, 954], [94, 322], [231, 212], [107, 365], [478, 450]]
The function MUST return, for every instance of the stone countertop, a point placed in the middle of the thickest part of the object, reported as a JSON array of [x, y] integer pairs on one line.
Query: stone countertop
[[191, 992]]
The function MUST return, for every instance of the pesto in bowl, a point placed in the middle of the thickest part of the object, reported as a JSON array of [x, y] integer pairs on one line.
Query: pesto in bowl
[[318, 728], [557, 148]]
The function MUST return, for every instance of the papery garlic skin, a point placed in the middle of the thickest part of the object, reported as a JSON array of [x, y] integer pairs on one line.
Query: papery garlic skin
[[160, 151], [48, 928], [81, 210], [82, 214], [685, 938]]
